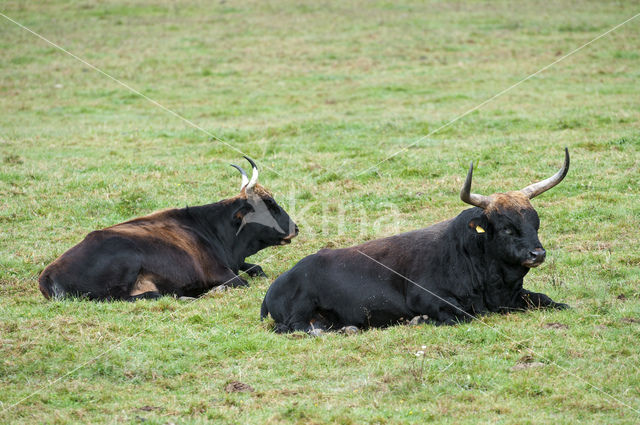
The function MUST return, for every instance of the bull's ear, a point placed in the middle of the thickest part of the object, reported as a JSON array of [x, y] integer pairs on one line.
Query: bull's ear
[[240, 213], [478, 225]]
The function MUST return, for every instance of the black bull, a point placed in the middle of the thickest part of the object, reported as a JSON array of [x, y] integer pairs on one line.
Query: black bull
[[184, 252], [446, 273]]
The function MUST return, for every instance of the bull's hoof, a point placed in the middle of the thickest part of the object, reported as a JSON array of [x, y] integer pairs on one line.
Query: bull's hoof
[[316, 332], [256, 271], [281, 328], [419, 320], [560, 306], [219, 289], [186, 298], [349, 330]]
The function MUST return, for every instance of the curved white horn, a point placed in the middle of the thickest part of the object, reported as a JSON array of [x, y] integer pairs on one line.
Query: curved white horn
[[254, 173], [245, 179]]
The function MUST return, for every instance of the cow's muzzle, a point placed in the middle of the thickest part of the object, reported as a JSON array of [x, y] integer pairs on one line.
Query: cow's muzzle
[[287, 239], [536, 257]]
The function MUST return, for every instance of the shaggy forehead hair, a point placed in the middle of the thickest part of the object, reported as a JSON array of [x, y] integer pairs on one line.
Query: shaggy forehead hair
[[514, 201], [258, 189], [261, 191]]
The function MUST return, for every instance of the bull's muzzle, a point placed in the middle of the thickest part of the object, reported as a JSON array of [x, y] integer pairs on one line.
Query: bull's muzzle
[[536, 257]]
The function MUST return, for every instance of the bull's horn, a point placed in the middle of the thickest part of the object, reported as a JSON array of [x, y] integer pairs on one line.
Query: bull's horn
[[254, 173], [537, 188], [245, 179], [471, 198]]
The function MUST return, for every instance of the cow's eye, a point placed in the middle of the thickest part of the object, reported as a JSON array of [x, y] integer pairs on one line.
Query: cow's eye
[[508, 231]]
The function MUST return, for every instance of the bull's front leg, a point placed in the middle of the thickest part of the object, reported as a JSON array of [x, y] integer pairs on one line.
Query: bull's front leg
[[439, 310], [252, 270], [532, 300]]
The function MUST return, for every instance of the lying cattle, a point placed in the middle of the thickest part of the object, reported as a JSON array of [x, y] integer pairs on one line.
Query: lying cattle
[[185, 251], [443, 274]]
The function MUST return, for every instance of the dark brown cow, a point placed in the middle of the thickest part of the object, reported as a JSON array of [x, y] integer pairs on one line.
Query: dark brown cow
[[184, 252]]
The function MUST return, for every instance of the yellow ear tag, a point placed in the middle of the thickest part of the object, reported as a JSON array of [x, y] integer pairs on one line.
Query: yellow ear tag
[[479, 229]]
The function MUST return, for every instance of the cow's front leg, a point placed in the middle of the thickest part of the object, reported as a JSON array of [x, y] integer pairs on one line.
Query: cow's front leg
[[231, 278], [252, 270], [237, 281], [150, 295], [533, 300]]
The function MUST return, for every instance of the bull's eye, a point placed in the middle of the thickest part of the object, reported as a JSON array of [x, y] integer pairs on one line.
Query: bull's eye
[[508, 231]]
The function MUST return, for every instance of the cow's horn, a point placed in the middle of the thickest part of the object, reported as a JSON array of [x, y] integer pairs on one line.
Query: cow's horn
[[537, 188], [471, 198], [245, 179], [254, 173]]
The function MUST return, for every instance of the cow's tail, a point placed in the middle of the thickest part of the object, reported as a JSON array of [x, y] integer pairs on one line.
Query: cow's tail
[[50, 288], [264, 311]]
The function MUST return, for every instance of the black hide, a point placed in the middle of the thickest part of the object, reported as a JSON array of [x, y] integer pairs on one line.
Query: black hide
[[451, 271]]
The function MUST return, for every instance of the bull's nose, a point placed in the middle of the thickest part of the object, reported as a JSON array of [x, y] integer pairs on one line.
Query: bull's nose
[[538, 255]]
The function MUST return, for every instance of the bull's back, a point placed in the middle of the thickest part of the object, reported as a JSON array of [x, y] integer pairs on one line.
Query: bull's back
[[393, 255], [371, 263]]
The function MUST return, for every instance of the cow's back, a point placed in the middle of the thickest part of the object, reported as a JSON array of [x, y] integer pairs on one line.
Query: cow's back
[[169, 249], [82, 269], [108, 263]]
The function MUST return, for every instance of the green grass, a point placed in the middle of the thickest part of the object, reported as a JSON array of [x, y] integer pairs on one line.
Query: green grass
[[317, 93]]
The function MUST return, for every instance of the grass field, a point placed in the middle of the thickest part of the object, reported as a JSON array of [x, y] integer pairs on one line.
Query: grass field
[[318, 93]]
